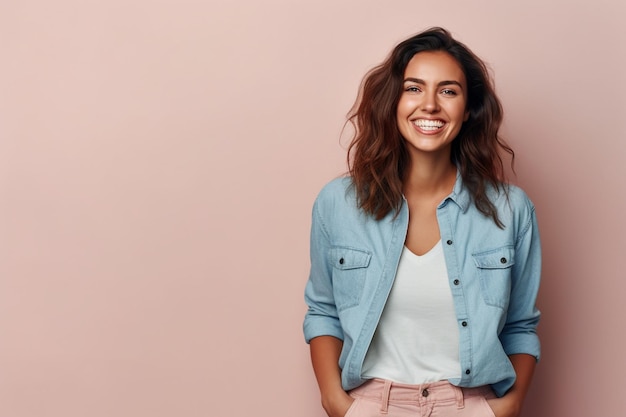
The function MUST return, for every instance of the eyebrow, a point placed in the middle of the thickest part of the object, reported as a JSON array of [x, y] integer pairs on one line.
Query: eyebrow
[[439, 84]]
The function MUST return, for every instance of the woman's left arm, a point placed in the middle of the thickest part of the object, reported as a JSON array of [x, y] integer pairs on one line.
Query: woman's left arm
[[510, 405], [519, 337]]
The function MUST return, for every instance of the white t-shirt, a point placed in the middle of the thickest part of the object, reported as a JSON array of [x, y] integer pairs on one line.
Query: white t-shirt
[[417, 338]]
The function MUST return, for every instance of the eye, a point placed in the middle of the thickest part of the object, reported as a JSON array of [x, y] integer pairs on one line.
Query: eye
[[412, 89], [448, 92]]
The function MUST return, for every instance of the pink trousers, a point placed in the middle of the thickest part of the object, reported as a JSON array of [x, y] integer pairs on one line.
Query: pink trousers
[[381, 398]]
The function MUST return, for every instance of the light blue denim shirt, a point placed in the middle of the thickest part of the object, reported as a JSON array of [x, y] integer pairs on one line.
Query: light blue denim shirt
[[493, 273]]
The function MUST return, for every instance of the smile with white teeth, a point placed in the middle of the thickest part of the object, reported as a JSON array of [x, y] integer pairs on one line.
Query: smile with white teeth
[[426, 124]]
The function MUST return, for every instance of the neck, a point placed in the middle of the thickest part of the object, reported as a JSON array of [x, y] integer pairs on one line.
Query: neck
[[430, 176]]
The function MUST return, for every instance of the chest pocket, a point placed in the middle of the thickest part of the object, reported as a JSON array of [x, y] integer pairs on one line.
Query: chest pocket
[[349, 275], [494, 270]]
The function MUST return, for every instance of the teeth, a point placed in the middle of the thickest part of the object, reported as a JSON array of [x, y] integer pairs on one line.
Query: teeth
[[428, 124]]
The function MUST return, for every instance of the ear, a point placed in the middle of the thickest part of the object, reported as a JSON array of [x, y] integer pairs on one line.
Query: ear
[[466, 115]]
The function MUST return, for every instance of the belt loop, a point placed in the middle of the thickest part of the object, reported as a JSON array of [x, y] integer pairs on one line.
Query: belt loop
[[458, 393], [385, 400]]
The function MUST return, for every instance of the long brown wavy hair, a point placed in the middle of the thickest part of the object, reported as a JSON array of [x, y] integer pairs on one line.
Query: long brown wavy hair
[[378, 158]]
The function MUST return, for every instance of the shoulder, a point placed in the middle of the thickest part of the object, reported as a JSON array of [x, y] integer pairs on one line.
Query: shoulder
[[337, 207], [335, 193], [514, 196], [519, 200], [337, 185], [514, 206]]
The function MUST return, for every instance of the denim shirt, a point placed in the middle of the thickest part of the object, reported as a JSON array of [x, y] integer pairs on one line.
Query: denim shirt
[[493, 273]]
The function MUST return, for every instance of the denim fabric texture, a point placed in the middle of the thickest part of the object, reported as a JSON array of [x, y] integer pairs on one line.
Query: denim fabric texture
[[493, 273]]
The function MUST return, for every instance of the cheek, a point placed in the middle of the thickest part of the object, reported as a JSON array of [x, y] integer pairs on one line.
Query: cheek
[[400, 125], [404, 109], [459, 113], [401, 117]]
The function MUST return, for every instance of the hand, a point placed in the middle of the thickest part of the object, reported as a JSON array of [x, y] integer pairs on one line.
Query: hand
[[504, 406], [338, 405]]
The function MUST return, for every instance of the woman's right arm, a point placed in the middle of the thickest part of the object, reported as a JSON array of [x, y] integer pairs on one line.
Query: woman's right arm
[[325, 352], [322, 328]]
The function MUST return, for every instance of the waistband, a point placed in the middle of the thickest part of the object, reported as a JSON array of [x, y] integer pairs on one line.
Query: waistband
[[442, 391]]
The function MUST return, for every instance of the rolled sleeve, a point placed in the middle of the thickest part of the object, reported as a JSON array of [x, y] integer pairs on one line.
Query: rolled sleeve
[[321, 318], [519, 334]]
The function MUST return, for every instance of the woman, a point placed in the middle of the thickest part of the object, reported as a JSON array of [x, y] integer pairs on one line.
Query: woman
[[425, 264]]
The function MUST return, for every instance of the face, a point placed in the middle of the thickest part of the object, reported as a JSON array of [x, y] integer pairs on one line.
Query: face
[[432, 105]]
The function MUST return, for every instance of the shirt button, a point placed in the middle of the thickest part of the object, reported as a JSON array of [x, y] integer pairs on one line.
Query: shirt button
[[341, 261], [464, 324], [467, 372], [425, 392], [449, 242], [502, 260], [456, 282]]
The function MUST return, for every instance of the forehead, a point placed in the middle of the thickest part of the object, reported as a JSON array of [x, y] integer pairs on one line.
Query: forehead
[[434, 66]]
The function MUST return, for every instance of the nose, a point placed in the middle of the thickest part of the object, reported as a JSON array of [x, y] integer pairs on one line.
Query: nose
[[430, 103]]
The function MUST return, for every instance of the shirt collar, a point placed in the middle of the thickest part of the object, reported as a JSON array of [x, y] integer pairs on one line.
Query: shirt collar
[[460, 194]]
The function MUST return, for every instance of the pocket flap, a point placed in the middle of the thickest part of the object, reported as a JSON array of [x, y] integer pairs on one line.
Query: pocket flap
[[349, 258], [495, 259]]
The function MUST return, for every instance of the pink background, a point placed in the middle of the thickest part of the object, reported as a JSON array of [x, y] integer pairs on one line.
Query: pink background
[[159, 159]]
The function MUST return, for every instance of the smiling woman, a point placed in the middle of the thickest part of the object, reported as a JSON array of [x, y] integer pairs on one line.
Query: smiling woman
[[425, 263], [432, 107]]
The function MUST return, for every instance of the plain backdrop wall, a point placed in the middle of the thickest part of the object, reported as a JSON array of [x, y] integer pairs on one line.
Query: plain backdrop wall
[[159, 159]]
